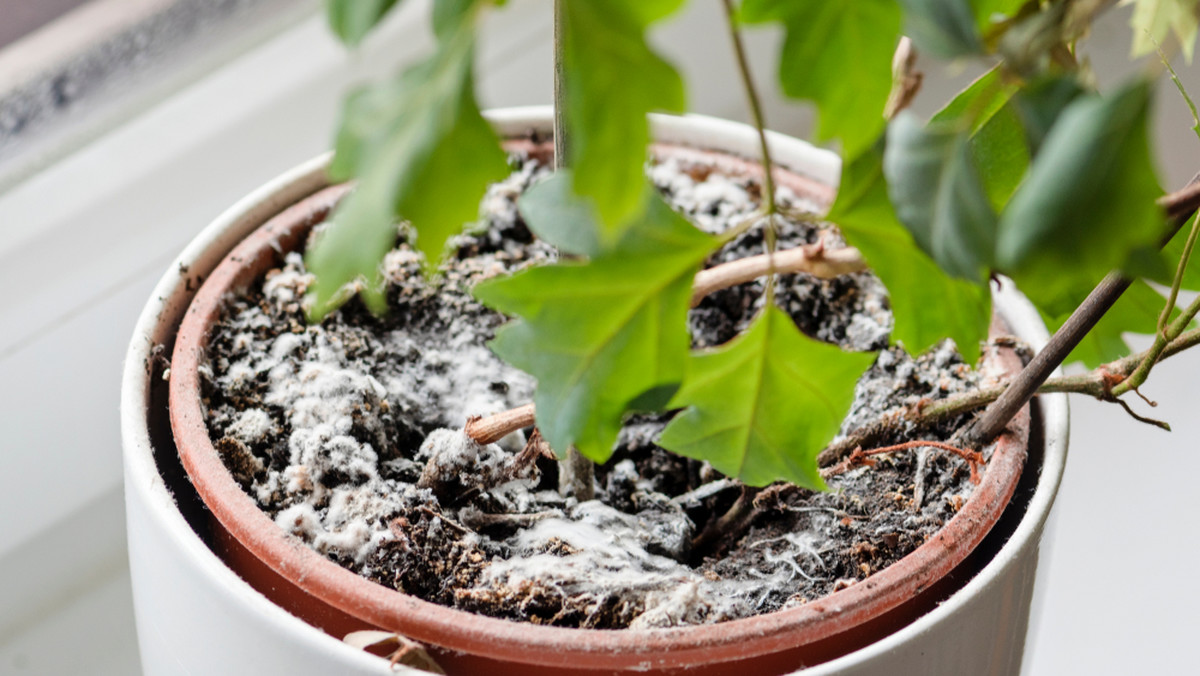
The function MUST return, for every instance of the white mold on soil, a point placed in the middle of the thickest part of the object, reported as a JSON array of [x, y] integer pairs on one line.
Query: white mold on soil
[[348, 435]]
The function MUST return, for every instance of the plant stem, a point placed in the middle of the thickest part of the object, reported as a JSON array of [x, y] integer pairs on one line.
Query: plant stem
[[1163, 337], [1180, 269], [560, 94], [769, 207], [813, 259], [1179, 206], [576, 472], [995, 418], [493, 428]]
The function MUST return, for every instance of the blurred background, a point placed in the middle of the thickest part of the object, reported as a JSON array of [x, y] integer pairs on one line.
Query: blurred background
[[127, 125]]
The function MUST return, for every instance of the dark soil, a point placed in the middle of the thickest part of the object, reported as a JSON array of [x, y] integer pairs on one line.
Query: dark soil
[[332, 427]]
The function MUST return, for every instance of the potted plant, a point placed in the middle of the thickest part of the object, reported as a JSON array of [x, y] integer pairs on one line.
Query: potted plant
[[996, 182]]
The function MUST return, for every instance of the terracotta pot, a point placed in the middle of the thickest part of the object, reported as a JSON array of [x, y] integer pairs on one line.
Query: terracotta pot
[[328, 596]]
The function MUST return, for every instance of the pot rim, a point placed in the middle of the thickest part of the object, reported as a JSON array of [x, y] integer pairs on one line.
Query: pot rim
[[633, 645]]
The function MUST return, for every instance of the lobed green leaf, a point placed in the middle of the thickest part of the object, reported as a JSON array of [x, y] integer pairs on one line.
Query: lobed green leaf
[[761, 407], [605, 336], [837, 55]]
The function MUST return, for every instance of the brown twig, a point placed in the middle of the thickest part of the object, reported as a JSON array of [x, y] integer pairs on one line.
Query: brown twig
[[1178, 206], [813, 259], [493, 428]]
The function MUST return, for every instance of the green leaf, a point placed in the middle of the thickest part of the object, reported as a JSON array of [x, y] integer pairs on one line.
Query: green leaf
[[935, 186], [1041, 102], [1153, 19], [997, 145], [988, 11], [1089, 197], [927, 304], [613, 79], [839, 56], [351, 20], [599, 335], [555, 213], [423, 153], [946, 29], [761, 407]]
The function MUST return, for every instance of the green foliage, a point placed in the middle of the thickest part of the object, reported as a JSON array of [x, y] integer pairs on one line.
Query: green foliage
[[1153, 20], [1023, 170], [763, 406], [946, 29], [406, 140], [351, 20], [988, 11], [614, 80], [605, 336], [1041, 103], [1089, 197], [935, 185], [837, 55], [927, 304]]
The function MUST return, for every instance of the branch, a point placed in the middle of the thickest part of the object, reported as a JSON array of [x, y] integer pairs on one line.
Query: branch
[[1179, 206], [493, 428], [813, 259]]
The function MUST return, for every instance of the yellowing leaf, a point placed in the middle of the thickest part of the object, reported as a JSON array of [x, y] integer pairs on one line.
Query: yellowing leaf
[[761, 407], [605, 336]]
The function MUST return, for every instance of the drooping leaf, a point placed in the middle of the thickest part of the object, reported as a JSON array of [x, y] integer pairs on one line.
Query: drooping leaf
[[946, 29], [761, 407], [351, 20], [1152, 20], [600, 335], [613, 79], [1089, 197], [839, 56], [927, 303], [936, 189], [423, 153]]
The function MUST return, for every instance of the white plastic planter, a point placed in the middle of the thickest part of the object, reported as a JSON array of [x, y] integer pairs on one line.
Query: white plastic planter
[[195, 616]]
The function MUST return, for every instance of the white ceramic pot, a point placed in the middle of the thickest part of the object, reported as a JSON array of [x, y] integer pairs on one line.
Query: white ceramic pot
[[195, 616]]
